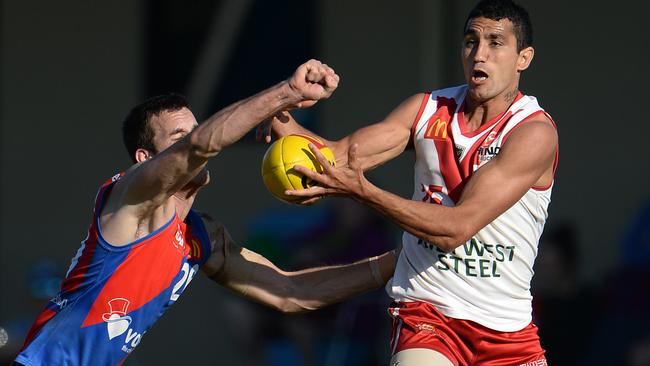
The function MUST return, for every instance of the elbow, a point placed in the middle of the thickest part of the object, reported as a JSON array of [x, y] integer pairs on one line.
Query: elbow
[[288, 310], [292, 306], [296, 300], [446, 244], [285, 307], [288, 306], [204, 147], [458, 235]]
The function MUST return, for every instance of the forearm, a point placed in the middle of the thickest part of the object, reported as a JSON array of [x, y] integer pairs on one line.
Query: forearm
[[445, 227], [377, 143], [233, 122], [255, 277], [318, 287]]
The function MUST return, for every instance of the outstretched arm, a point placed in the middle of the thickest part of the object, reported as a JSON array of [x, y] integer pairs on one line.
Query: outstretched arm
[[159, 178], [526, 160], [140, 202], [378, 142], [255, 277]]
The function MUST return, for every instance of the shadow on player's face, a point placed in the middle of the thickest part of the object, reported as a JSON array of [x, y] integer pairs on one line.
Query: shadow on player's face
[[171, 126]]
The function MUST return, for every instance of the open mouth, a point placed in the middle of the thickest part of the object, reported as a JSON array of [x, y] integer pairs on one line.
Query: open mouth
[[479, 76]]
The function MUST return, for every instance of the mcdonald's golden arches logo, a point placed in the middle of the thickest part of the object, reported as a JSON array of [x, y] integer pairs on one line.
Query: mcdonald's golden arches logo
[[436, 129], [438, 124]]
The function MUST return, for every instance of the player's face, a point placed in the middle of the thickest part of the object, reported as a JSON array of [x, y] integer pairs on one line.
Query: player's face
[[171, 126], [491, 61]]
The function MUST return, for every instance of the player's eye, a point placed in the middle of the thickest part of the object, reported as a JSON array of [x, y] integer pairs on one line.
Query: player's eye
[[179, 135]]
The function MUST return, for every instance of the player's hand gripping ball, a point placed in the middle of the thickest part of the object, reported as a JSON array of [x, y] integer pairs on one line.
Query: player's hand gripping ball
[[277, 166]]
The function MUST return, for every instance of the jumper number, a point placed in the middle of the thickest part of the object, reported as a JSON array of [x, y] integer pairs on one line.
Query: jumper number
[[188, 275]]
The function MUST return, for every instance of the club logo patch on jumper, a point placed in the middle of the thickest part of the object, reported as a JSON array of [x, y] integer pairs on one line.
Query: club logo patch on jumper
[[431, 193], [490, 138], [117, 322], [179, 241]]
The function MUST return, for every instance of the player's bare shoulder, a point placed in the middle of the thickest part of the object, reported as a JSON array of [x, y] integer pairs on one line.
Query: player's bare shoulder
[[539, 131], [120, 198], [123, 219], [407, 111], [531, 149]]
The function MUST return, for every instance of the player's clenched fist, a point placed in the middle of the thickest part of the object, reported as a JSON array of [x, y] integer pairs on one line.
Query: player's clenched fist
[[313, 81]]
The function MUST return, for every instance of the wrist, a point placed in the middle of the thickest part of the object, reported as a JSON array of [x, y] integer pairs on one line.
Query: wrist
[[289, 95], [375, 271], [382, 267], [364, 192], [387, 267]]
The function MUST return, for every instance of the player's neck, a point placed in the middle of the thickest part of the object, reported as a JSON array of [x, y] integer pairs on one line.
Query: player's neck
[[478, 113], [184, 197], [183, 200]]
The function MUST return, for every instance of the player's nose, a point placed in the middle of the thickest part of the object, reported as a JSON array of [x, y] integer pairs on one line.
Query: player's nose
[[480, 52]]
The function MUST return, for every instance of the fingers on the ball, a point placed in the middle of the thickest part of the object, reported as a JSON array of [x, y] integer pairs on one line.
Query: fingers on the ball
[[313, 191], [302, 170], [307, 172], [319, 156]]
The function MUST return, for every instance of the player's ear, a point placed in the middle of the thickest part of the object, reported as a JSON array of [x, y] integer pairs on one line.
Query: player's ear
[[142, 155], [525, 57]]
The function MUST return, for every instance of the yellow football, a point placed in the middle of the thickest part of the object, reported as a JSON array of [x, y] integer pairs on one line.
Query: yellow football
[[278, 164]]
